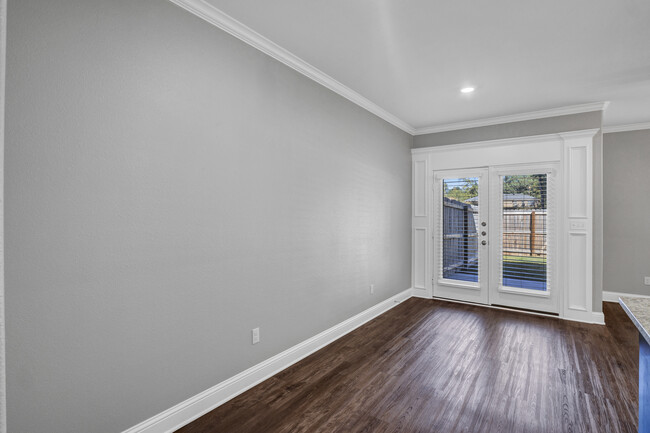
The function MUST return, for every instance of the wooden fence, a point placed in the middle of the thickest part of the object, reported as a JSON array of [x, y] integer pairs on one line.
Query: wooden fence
[[460, 236], [524, 234]]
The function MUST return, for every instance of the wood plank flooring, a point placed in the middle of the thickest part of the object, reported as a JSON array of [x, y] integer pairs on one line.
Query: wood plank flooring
[[434, 366]]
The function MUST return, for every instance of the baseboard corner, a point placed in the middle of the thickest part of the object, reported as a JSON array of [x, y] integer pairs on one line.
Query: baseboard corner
[[613, 296], [598, 317], [187, 411]]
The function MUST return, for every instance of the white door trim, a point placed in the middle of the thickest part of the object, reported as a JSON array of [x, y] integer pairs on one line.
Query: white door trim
[[574, 151]]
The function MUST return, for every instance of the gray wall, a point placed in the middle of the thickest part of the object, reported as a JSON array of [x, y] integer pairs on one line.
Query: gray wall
[[549, 125], [626, 211], [168, 188]]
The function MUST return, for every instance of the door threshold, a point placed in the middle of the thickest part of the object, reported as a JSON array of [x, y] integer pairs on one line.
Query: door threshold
[[501, 307]]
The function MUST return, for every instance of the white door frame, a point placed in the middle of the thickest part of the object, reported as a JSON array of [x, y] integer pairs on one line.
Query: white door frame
[[574, 152], [489, 289]]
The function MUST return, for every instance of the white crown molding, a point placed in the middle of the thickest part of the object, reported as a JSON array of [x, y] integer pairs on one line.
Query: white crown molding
[[624, 128], [225, 22], [578, 134], [554, 112], [187, 411]]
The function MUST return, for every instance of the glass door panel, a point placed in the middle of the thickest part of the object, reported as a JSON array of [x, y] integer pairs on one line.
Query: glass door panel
[[524, 213], [460, 253]]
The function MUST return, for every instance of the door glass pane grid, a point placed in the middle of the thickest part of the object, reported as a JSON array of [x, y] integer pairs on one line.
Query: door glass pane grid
[[460, 228], [524, 247]]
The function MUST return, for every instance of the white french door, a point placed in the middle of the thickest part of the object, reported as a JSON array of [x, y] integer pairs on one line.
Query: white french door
[[461, 253], [495, 236]]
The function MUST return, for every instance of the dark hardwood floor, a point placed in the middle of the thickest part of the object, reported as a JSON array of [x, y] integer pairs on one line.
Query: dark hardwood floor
[[434, 366]]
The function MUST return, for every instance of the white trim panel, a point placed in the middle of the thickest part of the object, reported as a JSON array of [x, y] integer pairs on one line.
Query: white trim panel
[[578, 228], [577, 181], [183, 413], [420, 258], [625, 128], [218, 18], [577, 272], [420, 188], [554, 112], [420, 233]]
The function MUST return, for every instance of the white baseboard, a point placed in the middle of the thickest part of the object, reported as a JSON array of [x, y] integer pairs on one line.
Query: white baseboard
[[613, 296], [183, 413], [594, 317], [598, 318], [421, 293]]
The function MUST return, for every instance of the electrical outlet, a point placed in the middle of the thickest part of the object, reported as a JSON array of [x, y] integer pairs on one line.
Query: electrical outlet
[[372, 289], [256, 335], [646, 281]]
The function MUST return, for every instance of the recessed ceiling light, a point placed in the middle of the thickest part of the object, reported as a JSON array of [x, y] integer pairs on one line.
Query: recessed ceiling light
[[467, 90]]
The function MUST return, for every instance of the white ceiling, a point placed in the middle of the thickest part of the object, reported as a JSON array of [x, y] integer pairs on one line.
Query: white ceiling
[[411, 57]]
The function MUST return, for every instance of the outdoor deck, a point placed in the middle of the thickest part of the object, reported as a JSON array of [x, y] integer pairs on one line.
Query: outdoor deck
[[521, 272]]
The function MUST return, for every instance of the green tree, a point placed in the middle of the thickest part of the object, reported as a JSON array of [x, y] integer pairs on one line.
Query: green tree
[[461, 189], [533, 185]]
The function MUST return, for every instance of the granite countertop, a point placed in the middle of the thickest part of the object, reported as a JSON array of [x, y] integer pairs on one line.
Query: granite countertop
[[639, 311]]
